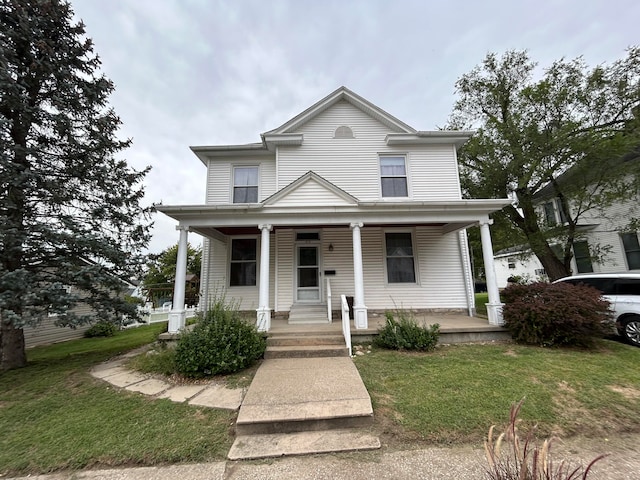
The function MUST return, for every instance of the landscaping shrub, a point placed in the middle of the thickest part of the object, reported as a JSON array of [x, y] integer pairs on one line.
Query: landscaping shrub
[[406, 334], [555, 314], [101, 329], [221, 342]]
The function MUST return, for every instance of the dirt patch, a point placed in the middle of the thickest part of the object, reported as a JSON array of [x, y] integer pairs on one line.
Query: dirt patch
[[627, 392], [510, 353]]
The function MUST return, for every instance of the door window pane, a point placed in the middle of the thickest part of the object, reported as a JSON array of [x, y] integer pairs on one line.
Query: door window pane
[[308, 256]]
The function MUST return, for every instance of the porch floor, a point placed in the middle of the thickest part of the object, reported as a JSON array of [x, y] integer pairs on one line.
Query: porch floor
[[454, 328]]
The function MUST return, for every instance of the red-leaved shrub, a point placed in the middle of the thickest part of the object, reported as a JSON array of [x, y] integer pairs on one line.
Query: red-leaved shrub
[[555, 314]]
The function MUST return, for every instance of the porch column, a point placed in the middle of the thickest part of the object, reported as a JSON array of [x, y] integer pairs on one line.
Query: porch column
[[177, 314], [264, 312], [359, 309], [494, 307]]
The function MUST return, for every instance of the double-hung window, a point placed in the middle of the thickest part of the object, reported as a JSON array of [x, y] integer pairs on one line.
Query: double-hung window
[[393, 176], [582, 256], [400, 259], [242, 272], [631, 250], [245, 185]]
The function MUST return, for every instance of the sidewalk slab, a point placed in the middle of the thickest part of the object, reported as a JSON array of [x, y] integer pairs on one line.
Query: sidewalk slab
[[150, 386], [182, 393], [106, 370], [218, 396], [125, 378], [248, 447]]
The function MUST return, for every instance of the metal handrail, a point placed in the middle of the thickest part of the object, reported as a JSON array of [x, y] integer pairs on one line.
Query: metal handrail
[[346, 323], [328, 290]]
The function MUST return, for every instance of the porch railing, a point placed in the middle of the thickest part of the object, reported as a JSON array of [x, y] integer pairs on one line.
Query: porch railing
[[328, 290], [346, 322]]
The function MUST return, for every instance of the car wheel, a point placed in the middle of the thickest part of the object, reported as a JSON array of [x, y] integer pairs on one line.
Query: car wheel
[[631, 330]]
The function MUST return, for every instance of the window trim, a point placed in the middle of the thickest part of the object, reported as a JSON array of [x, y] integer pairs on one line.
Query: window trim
[[233, 183], [405, 156], [230, 260], [416, 263]]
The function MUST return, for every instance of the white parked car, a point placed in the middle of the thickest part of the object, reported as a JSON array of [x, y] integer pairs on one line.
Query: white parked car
[[623, 292]]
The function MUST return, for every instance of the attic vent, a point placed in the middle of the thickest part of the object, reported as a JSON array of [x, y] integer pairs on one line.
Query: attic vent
[[343, 132]]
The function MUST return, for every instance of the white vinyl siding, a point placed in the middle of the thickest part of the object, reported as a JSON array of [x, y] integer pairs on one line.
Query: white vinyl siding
[[48, 332], [352, 164], [220, 178], [311, 193]]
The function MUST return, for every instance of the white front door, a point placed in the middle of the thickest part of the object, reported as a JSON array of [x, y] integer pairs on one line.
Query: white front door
[[307, 273]]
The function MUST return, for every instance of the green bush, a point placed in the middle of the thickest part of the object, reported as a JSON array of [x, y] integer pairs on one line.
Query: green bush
[[101, 329], [220, 343], [555, 314], [406, 334]]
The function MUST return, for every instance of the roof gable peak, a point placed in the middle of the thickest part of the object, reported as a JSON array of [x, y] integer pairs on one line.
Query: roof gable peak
[[341, 94]]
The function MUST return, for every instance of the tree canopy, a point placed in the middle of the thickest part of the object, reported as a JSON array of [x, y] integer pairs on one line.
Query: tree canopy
[[71, 223], [158, 281], [570, 133]]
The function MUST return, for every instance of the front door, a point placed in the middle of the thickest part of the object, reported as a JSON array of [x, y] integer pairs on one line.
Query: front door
[[307, 273]]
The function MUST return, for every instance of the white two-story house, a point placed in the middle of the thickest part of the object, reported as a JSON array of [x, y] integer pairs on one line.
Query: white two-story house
[[345, 198]]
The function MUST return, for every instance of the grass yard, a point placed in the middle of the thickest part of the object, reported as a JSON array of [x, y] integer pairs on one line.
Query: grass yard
[[454, 394], [54, 415], [481, 303]]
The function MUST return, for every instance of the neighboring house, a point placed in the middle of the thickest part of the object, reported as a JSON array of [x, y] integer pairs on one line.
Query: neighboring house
[[48, 331], [344, 197], [602, 245], [517, 262]]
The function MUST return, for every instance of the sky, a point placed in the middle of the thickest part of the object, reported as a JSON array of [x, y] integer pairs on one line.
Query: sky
[[220, 72]]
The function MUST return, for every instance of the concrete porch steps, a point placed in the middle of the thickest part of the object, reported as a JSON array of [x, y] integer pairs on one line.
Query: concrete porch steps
[[308, 314], [297, 406], [304, 345]]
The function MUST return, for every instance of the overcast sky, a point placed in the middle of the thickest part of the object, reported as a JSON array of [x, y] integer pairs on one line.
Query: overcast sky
[[208, 72]]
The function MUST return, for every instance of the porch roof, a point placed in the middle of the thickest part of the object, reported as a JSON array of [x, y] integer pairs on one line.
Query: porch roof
[[451, 215]]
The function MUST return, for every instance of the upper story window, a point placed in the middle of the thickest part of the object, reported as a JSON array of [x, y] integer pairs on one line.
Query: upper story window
[[400, 258], [393, 176], [245, 185], [631, 250], [554, 213]]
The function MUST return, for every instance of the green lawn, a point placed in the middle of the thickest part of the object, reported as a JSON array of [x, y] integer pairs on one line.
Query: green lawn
[[54, 415], [481, 303], [455, 393]]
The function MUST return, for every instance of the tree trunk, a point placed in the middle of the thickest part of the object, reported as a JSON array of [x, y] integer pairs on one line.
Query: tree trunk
[[12, 347]]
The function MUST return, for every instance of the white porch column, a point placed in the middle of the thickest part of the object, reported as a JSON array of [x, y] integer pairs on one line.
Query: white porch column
[[263, 312], [494, 307], [177, 314], [359, 309]]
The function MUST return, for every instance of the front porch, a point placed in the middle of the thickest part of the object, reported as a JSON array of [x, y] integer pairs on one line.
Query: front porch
[[454, 328]]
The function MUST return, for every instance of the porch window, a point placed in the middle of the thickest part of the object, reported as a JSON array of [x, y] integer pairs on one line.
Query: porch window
[[243, 262], [245, 185], [393, 176], [400, 260], [631, 250]]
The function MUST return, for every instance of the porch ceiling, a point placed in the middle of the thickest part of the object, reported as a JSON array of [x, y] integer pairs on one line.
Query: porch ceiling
[[212, 220]]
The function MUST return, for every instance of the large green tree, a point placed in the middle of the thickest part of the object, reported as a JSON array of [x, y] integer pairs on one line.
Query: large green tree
[[161, 268], [71, 223], [569, 132]]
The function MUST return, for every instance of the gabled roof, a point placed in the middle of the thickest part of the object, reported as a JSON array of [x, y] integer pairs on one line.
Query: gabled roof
[[341, 94], [331, 193]]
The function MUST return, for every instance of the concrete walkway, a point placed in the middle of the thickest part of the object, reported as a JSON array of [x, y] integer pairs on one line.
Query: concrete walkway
[[206, 395]]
